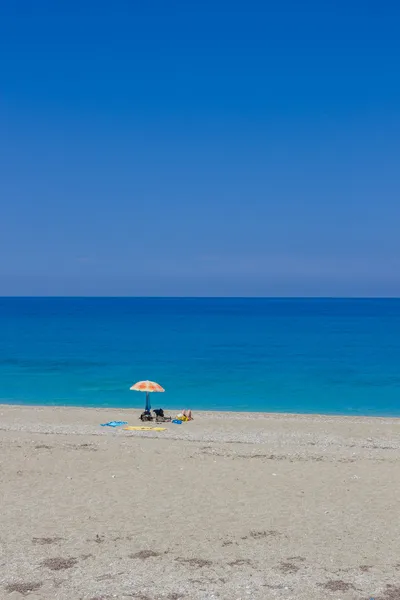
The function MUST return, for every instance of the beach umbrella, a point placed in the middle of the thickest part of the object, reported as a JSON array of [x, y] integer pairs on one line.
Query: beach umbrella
[[148, 387]]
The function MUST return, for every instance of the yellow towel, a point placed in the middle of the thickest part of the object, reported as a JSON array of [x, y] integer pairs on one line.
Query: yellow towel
[[145, 428]]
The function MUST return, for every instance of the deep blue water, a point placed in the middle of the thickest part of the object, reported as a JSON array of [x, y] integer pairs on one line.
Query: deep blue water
[[294, 355]]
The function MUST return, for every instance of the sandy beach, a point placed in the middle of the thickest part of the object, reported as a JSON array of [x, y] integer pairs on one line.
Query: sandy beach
[[229, 506]]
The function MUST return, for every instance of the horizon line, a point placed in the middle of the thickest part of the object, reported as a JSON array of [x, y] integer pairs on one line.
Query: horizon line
[[159, 297]]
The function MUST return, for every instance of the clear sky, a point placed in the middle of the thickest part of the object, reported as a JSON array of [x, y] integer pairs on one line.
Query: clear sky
[[200, 147]]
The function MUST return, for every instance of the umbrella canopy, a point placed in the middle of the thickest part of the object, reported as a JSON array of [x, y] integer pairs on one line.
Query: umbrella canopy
[[147, 386]]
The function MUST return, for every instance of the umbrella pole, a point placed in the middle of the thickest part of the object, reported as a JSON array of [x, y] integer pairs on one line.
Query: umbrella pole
[[147, 402]]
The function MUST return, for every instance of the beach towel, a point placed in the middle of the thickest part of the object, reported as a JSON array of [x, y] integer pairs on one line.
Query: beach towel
[[114, 424], [145, 428], [177, 421]]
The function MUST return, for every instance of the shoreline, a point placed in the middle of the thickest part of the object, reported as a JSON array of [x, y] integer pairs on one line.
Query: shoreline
[[298, 432], [219, 414]]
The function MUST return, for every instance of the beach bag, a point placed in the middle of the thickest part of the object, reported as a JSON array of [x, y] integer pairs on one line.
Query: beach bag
[[146, 416]]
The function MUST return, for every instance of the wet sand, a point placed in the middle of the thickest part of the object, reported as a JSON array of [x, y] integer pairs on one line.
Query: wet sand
[[229, 506]]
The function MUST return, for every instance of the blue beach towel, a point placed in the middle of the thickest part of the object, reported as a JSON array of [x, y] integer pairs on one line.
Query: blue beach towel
[[114, 424], [177, 422]]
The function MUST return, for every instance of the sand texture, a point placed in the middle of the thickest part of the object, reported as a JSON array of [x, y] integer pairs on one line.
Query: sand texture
[[229, 507]]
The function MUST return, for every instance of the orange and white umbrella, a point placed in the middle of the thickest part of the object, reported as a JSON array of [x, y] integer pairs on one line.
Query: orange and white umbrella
[[147, 386]]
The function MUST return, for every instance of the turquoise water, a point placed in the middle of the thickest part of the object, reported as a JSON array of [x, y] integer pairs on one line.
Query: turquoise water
[[294, 355]]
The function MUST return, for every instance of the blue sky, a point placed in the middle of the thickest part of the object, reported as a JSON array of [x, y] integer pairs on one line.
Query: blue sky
[[200, 148]]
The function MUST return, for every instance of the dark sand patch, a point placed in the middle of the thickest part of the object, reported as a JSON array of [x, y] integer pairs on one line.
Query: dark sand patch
[[108, 576], [195, 562], [280, 457], [99, 539], [207, 580], [337, 585], [145, 554], [90, 447], [23, 588], [392, 593], [365, 568], [227, 543], [58, 563], [240, 562], [256, 535], [288, 567], [85, 446], [45, 541]]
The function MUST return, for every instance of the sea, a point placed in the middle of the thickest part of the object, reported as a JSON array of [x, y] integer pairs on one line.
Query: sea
[[329, 356]]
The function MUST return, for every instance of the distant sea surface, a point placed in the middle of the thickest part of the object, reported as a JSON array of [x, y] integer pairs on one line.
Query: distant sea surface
[[333, 356]]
